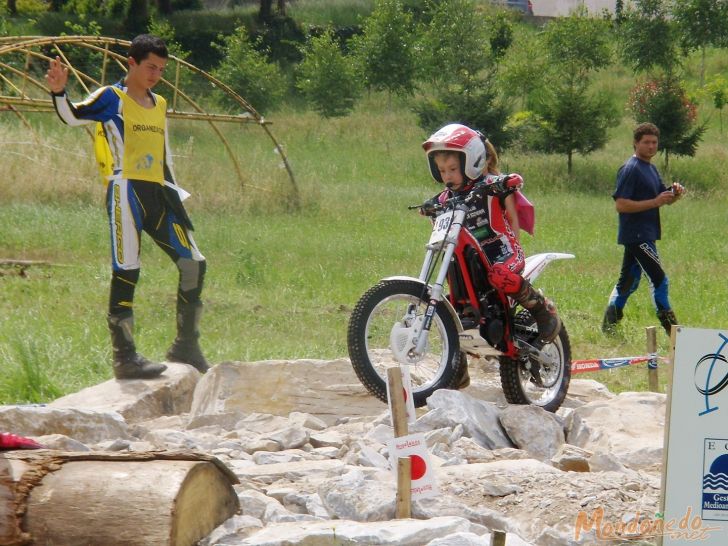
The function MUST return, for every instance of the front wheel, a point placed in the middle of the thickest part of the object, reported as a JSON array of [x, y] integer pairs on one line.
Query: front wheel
[[528, 380], [380, 328]]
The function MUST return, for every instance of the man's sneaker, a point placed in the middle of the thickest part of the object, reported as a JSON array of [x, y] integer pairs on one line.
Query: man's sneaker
[[612, 315]]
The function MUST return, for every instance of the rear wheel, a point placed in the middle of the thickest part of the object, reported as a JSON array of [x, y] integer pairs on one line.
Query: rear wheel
[[381, 330], [540, 382]]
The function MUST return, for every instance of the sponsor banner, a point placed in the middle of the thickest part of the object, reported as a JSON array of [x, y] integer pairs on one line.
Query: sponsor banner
[[596, 364]]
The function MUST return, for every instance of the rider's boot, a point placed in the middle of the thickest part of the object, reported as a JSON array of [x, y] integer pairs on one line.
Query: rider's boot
[[667, 319], [128, 364], [612, 315], [542, 309], [462, 379], [186, 346]]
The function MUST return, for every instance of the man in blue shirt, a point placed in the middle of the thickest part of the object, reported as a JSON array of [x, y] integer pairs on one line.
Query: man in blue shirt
[[639, 195]]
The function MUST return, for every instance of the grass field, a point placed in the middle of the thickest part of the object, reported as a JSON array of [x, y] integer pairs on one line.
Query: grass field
[[281, 284]]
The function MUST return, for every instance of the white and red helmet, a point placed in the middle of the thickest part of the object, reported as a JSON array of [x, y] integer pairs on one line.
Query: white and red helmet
[[458, 138]]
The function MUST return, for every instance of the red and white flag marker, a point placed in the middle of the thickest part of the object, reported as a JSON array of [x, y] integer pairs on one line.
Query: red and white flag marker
[[414, 446]]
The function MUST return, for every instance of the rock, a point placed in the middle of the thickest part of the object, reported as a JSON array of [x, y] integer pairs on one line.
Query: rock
[[136, 399], [352, 496], [330, 389], [314, 466], [533, 429], [83, 425], [629, 426], [61, 442], [448, 408], [572, 459], [387, 533]]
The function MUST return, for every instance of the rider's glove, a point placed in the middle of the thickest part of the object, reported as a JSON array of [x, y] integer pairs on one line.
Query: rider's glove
[[505, 184], [429, 207]]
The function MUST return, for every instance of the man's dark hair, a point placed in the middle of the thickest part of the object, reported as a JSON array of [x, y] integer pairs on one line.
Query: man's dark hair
[[646, 128], [144, 44]]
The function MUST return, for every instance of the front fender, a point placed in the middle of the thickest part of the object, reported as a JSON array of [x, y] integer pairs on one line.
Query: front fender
[[535, 264], [445, 301]]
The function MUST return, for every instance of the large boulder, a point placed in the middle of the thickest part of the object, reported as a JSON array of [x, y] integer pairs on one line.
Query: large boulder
[[629, 427], [328, 389], [83, 425], [138, 400]]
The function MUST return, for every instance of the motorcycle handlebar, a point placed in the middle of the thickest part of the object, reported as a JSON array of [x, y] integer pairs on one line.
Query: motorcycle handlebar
[[502, 185]]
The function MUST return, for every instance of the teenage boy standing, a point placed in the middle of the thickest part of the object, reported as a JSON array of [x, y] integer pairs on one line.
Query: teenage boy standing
[[141, 196], [638, 197]]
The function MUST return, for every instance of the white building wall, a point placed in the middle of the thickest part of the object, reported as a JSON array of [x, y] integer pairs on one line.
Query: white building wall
[[554, 8]]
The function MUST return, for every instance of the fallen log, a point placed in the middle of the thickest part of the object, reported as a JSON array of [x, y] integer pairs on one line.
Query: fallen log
[[114, 499]]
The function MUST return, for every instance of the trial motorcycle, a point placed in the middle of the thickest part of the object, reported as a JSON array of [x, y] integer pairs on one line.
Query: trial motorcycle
[[416, 322]]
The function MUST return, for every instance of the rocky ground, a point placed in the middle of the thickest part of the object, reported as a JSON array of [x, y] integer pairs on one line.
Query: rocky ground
[[309, 447]]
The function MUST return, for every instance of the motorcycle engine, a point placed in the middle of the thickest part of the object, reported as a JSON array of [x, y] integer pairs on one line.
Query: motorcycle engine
[[492, 328]]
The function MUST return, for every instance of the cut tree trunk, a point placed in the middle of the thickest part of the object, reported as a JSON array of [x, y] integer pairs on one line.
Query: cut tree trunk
[[114, 499]]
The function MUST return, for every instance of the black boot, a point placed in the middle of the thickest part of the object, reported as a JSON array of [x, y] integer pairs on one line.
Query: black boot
[[612, 315], [186, 346], [547, 319], [128, 364], [667, 319]]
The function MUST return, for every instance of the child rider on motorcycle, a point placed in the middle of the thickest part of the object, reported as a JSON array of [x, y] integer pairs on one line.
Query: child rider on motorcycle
[[457, 158]]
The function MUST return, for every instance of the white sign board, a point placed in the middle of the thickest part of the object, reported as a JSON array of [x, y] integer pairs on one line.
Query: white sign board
[[422, 472], [695, 489]]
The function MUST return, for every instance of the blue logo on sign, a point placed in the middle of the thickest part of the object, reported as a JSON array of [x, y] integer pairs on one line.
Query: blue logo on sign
[[707, 377], [715, 479]]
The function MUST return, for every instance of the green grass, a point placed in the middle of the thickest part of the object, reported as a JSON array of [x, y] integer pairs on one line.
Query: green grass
[[282, 284]]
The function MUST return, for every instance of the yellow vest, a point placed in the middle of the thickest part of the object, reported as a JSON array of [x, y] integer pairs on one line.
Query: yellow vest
[[143, 156]]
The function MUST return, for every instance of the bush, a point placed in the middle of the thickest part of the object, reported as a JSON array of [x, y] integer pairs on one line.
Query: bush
[[385, 51], [327, 78], [480, 110], [248, 72], [195, 31]]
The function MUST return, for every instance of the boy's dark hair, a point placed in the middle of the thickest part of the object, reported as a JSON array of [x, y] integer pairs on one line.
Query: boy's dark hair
[[144, 44], [646, 128]]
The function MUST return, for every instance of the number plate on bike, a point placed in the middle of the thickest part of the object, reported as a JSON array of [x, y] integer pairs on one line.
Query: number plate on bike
[[441, 227]]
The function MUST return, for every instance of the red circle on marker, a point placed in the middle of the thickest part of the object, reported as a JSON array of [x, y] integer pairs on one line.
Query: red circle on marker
[[404, 394], [418, 467]]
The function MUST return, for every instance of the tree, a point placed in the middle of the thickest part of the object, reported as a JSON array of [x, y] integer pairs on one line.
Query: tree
[[265, 12], [385, 49], [165, 7], [701, 23], [663, 101], [649, 37], [248, 72], [458, 68], [137, 16], [574, 121], [573, 118], [455, 45], [327, 78], [523, 67], [12, 7], [718, 89]]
